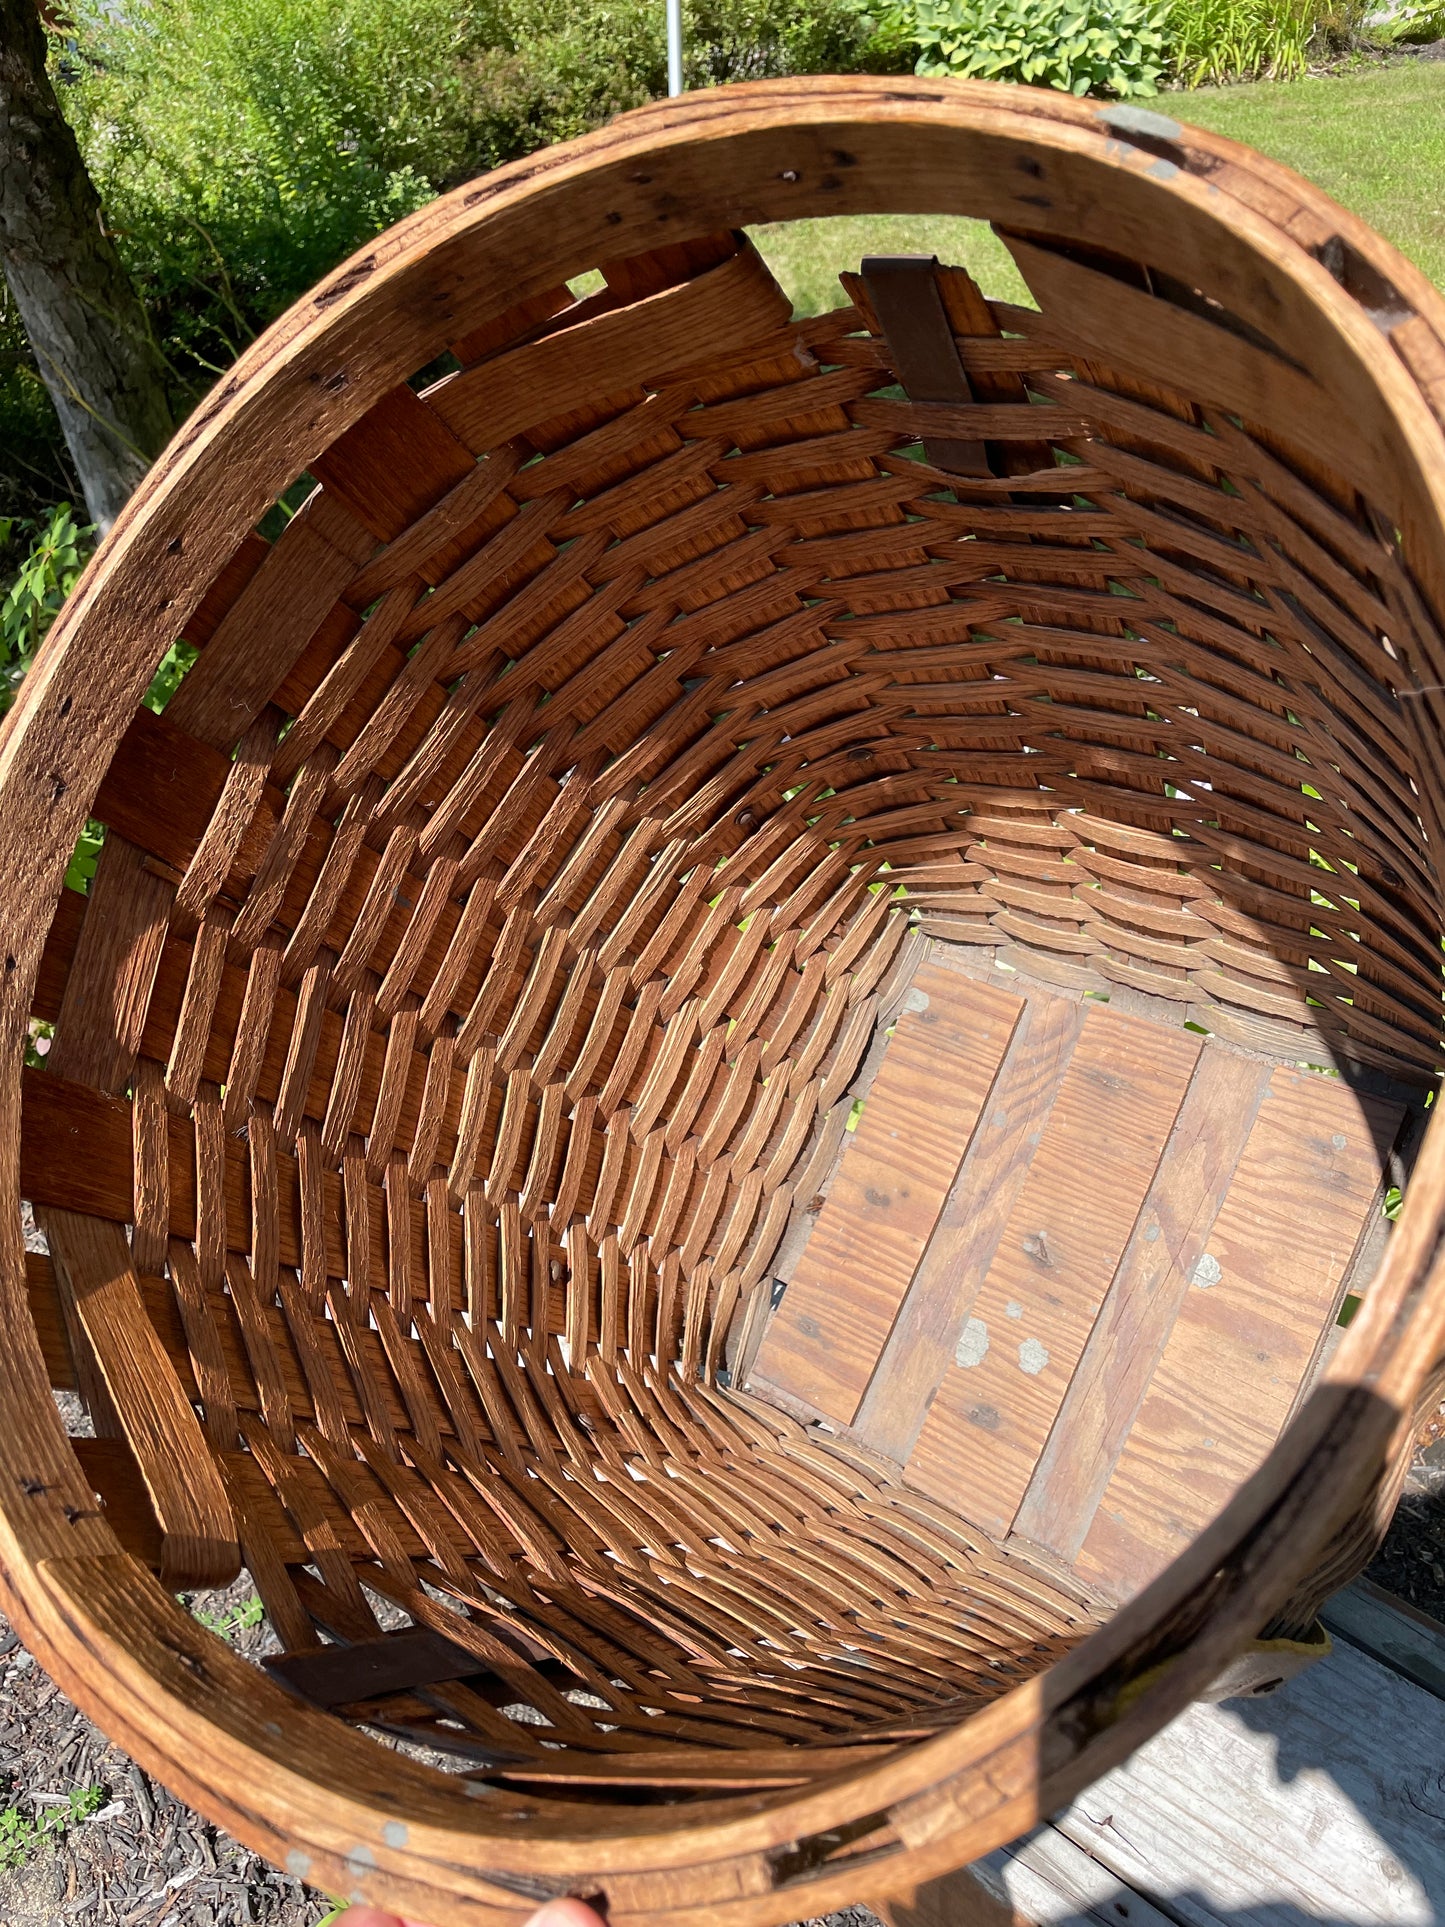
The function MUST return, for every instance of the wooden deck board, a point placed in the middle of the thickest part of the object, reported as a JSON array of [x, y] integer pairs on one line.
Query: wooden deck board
[[1063, 1241], [896, 1172], [1323, 1802], [1248, 1325], [1076, 1267], [1406, 1640]]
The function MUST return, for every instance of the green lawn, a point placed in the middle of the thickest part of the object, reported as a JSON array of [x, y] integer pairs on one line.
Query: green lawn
[[1375, 140], [807, 255]]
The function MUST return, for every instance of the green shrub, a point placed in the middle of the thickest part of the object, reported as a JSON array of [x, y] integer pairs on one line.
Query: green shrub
[[1336, 26], [55, 551], [891, 42], [754, 39], [1223, 40], [1080, 46], [35, 469], [243, 147], [229, 1619], [49, 554], [551, 69], [1409, 27]]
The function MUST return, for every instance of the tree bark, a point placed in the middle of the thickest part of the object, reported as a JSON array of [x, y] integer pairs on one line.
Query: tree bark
[[84, 318]]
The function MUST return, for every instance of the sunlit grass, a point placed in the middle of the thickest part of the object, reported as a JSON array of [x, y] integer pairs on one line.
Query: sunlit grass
[[807, 256], [1375, 140]]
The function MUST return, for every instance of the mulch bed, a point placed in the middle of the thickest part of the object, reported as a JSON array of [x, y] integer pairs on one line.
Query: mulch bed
[[1411, 1563], [142, 1859]]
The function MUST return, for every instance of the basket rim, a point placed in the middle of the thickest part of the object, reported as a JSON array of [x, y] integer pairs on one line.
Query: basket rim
[[230, 1741]]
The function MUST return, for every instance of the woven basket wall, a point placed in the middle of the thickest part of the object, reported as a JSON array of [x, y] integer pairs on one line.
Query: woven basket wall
[[470, 1001]]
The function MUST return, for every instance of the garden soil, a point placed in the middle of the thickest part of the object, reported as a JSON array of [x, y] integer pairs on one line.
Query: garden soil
[[142, 1859]]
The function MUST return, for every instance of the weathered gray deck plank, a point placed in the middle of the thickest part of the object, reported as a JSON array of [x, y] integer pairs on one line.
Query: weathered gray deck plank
[[1324, 1802]]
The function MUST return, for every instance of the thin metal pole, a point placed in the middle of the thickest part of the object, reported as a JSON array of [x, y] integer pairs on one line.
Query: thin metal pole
[[674, 47]]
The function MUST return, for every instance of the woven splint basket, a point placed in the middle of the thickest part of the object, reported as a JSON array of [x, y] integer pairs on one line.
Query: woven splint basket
[[734, 1043]]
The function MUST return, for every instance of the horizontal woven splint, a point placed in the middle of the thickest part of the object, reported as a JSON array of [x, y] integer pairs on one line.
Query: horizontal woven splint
[[735, 1043]]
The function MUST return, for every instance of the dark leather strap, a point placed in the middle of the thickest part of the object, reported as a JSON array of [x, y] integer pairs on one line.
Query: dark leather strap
[[925, 357]]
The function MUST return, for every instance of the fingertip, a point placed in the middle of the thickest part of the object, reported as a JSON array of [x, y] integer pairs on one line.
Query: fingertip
[[566, 1913], [556, 1913]]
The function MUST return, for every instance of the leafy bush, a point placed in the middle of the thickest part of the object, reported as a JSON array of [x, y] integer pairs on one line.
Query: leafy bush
[[1080, 46], [243, 147], [80, 871], [754, 39], [1337, 26], [56, 551], [891, 43], [35, 468], [552, 69], [1410, 26], [1221, 40]]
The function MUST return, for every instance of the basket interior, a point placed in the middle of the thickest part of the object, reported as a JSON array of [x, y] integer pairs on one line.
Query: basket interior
[[737, 1036]]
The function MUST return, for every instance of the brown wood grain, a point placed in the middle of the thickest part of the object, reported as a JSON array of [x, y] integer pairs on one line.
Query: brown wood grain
[[78, 1154], [946, 1283], [160, 788], [1248, 1326], [722, 309], [101, 1019], [394, 465], [1069, 1225], [584, 791], [905, 298], [110, 1466], [1136, 1318], [44, 1300], [271, 621], [198, 1533], [918, 1120], [1124, 323]]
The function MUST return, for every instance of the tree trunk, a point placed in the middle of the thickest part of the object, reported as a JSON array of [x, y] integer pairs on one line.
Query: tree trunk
[[84, 318]]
